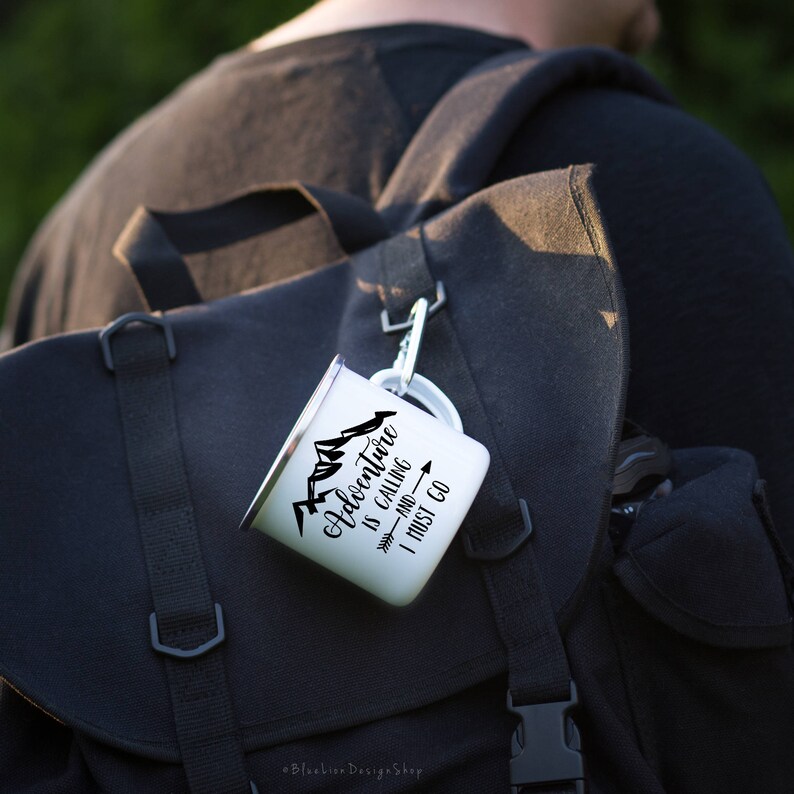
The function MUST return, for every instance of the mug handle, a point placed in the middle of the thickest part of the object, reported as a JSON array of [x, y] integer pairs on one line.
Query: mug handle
[[425, 392]]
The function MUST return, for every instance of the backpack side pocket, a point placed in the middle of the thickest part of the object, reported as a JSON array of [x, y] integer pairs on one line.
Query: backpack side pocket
[[701, 612]]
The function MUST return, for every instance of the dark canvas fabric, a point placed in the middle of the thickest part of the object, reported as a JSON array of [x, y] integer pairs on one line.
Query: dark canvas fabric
[[679, 640]]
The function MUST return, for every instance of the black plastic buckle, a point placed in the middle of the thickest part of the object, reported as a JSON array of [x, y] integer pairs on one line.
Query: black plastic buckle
[[640, 459], [546, 746], [192, 653], [511, 548], [135, 317]]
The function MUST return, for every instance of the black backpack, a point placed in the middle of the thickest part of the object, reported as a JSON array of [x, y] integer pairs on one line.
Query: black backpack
[[628, 629]]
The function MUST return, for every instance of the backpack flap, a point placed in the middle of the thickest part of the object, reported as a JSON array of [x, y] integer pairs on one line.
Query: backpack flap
[[305, 651]]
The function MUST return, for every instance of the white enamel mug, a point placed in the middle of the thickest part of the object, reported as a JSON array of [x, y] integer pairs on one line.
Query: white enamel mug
[[370, 486]]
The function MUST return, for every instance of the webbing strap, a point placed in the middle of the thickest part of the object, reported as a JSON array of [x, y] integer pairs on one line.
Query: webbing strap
[[404, 274], [538, 668], [537, 665], [206, 728]]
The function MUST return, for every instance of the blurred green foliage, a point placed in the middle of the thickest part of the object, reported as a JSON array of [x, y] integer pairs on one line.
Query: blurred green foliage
[[75, 72], [731, 64]]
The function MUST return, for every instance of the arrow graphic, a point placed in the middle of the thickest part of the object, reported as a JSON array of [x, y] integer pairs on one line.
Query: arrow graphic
[[425, 470], [388, 538]]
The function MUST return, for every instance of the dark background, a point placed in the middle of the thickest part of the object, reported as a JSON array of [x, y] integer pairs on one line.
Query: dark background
[[75, 72]]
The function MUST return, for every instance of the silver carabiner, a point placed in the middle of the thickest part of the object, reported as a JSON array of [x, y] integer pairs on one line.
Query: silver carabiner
[[403, 379], [410, 345]]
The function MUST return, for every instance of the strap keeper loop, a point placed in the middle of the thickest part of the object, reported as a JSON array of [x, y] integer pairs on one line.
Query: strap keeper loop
[[486, 555]]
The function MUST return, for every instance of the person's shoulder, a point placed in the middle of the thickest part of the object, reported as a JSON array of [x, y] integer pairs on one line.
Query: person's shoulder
[[658, 170], [624, 133]]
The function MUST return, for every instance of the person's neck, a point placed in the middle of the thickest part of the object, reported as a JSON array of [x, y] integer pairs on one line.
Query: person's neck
[[335, 16]]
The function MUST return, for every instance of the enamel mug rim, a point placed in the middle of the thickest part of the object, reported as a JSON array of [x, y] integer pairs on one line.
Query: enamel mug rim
[[294, 438]]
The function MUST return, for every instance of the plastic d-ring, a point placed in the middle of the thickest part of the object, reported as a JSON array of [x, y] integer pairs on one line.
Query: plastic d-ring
[[135, 317], [191, 653]]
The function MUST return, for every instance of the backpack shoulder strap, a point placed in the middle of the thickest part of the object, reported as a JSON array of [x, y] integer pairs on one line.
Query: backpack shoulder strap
[[459, 144], [450, 158]]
